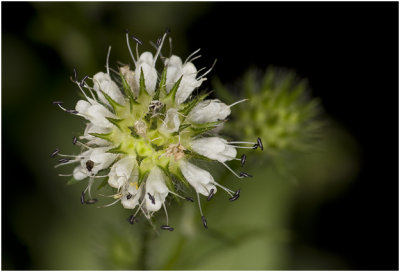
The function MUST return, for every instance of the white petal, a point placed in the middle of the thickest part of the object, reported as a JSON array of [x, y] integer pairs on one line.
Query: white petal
[[188, 83], [209, 111], [155, 186], [129, 76], [173, 62], [134, 200], [146, 57], [82, 106], [104, 83], [185, 89], [115, 182], [92, 140], [174, 71], [124, 167], [97, 115], [171, 122], [78, 173], [200, 179], [150, 77], [189, 69], [95, 129], [101, 159], [214, 148], [97, 142], [145, 63]]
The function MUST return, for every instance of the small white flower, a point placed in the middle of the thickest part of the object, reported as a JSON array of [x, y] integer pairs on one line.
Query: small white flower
[[214, 148], [209, 111], [129, 76], [156, 190], [95, 113], [92, 140], [120, 172], [103, 82], [175, 69], [171, 122], [146, 63], [131, 195], [97, 158], [201, 180], [79, 173]]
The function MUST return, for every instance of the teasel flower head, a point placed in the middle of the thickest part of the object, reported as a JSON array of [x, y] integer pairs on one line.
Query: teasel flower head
[[144, 128], [279, 110]]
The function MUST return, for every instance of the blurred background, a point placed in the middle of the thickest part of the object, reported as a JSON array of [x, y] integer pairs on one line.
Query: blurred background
[[334, 206]]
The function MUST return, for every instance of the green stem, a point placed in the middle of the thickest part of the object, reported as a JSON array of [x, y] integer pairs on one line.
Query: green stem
[[142, 263], [175, 254]]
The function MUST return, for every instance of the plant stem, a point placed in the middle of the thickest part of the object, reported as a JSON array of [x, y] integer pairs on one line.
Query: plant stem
[[142, 263]]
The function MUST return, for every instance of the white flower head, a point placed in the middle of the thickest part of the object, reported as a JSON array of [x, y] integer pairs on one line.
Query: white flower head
[[143, 130]]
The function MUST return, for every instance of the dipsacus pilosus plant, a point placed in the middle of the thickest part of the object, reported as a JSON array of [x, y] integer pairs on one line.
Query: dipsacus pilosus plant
[[143, 129]]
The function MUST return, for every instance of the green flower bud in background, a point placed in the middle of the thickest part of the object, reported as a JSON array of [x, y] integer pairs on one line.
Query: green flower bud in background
[[279, 111]]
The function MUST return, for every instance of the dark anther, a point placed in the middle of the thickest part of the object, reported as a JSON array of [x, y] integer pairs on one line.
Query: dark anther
[[259, 143], [82, 84], [129, 196], [152, 199], [189, 199], [245, 175], [243, 159], [75, 75], [74, 140], [58, 102], [72, 111], [63, 160], [137, 40], [83, 198], [91, 201], [89, 165], [167, 30], [158, 43], [210, 195], [126, 31], [165, 227], [255, 146], [235, 196], [55, 152], [204, 221], [131, 219]]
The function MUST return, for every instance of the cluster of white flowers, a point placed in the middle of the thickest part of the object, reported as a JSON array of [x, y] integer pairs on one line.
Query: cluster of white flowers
[[144, 132]]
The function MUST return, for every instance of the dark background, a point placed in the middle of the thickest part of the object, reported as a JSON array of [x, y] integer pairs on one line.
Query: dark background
[[349, 53]]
